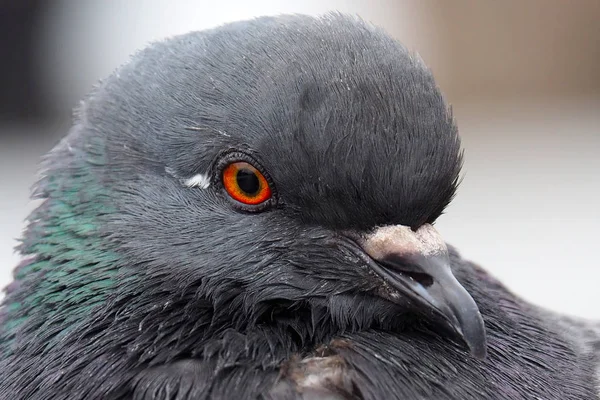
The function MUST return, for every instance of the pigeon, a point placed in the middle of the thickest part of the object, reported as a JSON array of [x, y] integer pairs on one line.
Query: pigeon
[[248, 212]]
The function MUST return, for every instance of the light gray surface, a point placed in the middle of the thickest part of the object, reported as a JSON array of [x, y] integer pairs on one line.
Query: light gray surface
[[527, 209]]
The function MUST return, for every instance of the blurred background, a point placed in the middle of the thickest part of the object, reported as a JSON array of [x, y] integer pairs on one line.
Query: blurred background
[[523, 78]]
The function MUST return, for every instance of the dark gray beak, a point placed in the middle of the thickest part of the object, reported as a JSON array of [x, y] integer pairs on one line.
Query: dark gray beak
[[417, 265]]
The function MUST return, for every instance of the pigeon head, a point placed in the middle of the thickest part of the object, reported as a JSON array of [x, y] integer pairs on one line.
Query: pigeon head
[[278, 172]]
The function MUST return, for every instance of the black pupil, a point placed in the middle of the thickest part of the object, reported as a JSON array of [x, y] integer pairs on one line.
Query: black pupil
[[248, 181]]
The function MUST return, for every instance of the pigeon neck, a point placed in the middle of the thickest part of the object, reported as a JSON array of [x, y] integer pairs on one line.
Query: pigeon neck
[[67, 269]]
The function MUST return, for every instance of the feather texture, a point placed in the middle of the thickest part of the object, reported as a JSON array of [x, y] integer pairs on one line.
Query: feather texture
[[138, 286]]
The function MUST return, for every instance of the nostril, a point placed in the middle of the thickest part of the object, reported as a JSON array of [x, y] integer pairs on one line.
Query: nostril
[[408, 269], [424, 279]]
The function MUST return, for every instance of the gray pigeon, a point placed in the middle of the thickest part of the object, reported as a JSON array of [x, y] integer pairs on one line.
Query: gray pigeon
[[247, 212]]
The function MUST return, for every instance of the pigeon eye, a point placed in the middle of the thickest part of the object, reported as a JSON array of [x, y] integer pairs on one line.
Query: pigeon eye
[[246, 184]]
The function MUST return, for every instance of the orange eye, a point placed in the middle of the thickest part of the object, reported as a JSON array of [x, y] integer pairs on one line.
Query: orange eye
[[246, 184]]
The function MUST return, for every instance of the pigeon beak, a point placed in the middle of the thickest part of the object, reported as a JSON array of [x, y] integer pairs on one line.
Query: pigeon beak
[[416, 263]]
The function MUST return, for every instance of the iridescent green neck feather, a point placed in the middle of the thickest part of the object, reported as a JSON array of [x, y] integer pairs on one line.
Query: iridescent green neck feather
[[68, 267]]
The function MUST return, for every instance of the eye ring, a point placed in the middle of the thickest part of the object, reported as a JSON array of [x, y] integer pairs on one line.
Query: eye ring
[[245, 182]]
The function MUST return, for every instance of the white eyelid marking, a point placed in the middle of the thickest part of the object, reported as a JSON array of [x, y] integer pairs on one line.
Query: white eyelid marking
[[201, 181]]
